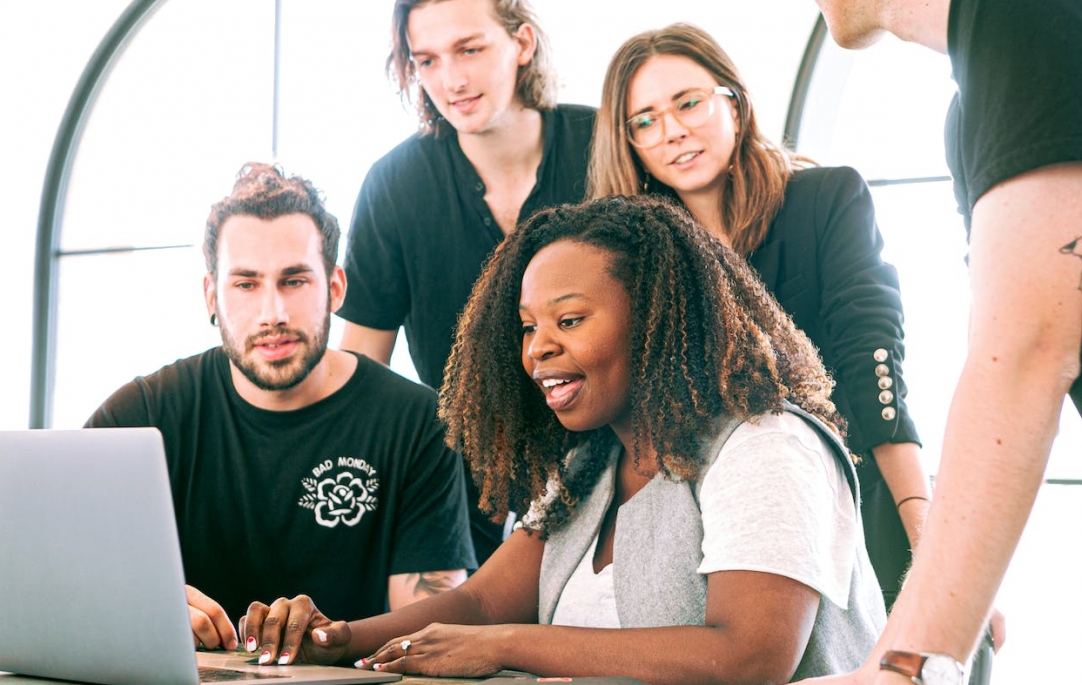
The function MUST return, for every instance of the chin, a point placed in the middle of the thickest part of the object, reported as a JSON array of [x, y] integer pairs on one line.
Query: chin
[[853, 37]]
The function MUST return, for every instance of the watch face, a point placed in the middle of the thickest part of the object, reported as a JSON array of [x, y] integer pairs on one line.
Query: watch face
[[940, 669]]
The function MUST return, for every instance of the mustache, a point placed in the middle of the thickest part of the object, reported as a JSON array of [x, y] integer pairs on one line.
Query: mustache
[[251, 341]]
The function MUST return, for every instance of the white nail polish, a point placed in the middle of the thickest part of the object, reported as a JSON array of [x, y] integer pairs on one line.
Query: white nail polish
[[283, 659], [264, 658], [321, 635], [250, 645]]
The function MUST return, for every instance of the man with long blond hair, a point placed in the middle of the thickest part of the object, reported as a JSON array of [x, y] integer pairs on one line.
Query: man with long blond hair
[[493, 148]]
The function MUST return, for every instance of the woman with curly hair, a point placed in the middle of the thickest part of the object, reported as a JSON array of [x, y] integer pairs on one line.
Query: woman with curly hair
[[629, 376], [676, 120]]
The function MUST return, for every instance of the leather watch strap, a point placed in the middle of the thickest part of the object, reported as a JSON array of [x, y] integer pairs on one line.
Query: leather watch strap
[[905, 663]]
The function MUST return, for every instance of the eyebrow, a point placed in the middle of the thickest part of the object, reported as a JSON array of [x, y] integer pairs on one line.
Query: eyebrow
[[288, 271], [561, 298], [676, 96], [457, 44]]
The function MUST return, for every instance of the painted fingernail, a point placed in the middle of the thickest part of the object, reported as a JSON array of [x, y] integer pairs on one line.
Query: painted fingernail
[[264, 658], [250, 644], [321, 635], [378, 667], [360, 662], [284, 659]]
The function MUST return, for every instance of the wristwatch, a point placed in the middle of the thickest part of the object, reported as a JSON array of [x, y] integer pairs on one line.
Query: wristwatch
[[924, 668]]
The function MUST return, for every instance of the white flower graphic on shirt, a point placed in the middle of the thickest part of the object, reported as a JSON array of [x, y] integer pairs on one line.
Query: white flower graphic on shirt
[[343, 498]]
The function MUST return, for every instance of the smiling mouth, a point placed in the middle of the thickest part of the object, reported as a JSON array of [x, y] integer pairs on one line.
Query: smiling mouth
[[465, 103], [561, 392], [687, 157]]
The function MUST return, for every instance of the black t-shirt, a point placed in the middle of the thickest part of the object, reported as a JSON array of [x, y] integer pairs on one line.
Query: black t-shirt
[[422, 232], [328, 500], [1018, 65]]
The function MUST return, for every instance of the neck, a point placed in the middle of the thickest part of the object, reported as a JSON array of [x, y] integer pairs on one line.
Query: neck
[[706, 208], [324, 380], [632, 477], [514, 143], [919, 21]]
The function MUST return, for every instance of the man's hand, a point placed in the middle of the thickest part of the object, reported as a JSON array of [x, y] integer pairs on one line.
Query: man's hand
[[293, 630], [211, 628]]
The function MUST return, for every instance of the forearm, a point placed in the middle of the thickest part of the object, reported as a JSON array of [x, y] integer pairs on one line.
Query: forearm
[[371, 342], [904, 475], [1000, 428], [680, 655], [407, 588]]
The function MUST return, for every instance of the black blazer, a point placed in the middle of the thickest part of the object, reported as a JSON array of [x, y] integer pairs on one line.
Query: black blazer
[[821, 259]]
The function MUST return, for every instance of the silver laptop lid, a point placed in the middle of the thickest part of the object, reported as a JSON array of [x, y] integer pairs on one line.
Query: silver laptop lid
[[91, 581]]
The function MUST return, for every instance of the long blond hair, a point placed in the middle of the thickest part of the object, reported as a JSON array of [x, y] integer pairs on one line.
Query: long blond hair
[[752, 194]]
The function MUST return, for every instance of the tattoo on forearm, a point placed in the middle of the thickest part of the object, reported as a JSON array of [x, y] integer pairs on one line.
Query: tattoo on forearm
[[430, 583], [1074, 248]]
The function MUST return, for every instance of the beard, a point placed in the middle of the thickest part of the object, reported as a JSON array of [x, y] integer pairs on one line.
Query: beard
[[281, 374]]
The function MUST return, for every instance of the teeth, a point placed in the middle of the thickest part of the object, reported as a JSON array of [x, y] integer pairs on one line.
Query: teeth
[[687, 156], [553, 382]]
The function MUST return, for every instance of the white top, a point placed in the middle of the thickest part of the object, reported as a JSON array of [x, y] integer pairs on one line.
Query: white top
[[774, 501], [588, 599]]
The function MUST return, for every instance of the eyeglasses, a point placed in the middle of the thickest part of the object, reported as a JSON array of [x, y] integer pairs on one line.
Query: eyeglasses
[[693, 108]]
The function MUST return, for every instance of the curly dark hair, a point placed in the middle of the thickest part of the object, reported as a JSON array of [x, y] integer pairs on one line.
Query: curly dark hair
[[706, 340]]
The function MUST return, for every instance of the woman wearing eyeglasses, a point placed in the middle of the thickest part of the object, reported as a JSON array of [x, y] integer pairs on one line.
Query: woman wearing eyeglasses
[[676, 120]]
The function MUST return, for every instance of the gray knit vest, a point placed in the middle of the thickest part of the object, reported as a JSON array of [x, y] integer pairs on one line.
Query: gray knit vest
[[658, 549]]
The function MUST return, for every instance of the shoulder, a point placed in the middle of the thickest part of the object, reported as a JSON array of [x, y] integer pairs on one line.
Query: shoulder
[[783, 428], [826, 181], [185, 375], [409, 157], [576, 115], [575, 122], [143, 400], [393, 390], [774, 449], [830, 199]]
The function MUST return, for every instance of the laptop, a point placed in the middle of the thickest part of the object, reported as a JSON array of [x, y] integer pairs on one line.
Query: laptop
[[91, 579]]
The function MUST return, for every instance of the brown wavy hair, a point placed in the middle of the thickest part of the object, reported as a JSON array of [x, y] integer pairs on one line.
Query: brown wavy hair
[[263, 190], [706, 340], [753, 192], [537, 82]]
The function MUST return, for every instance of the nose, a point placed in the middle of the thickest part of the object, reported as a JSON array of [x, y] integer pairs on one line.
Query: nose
[[541, 345], [454, 76], [273, 309], [671, 126]]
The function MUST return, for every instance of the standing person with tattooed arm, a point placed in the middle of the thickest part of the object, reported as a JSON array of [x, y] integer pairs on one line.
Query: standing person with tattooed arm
[[1014, 137]]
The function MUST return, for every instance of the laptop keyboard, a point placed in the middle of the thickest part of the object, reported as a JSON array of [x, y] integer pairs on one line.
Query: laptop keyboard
[[208, 674]]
